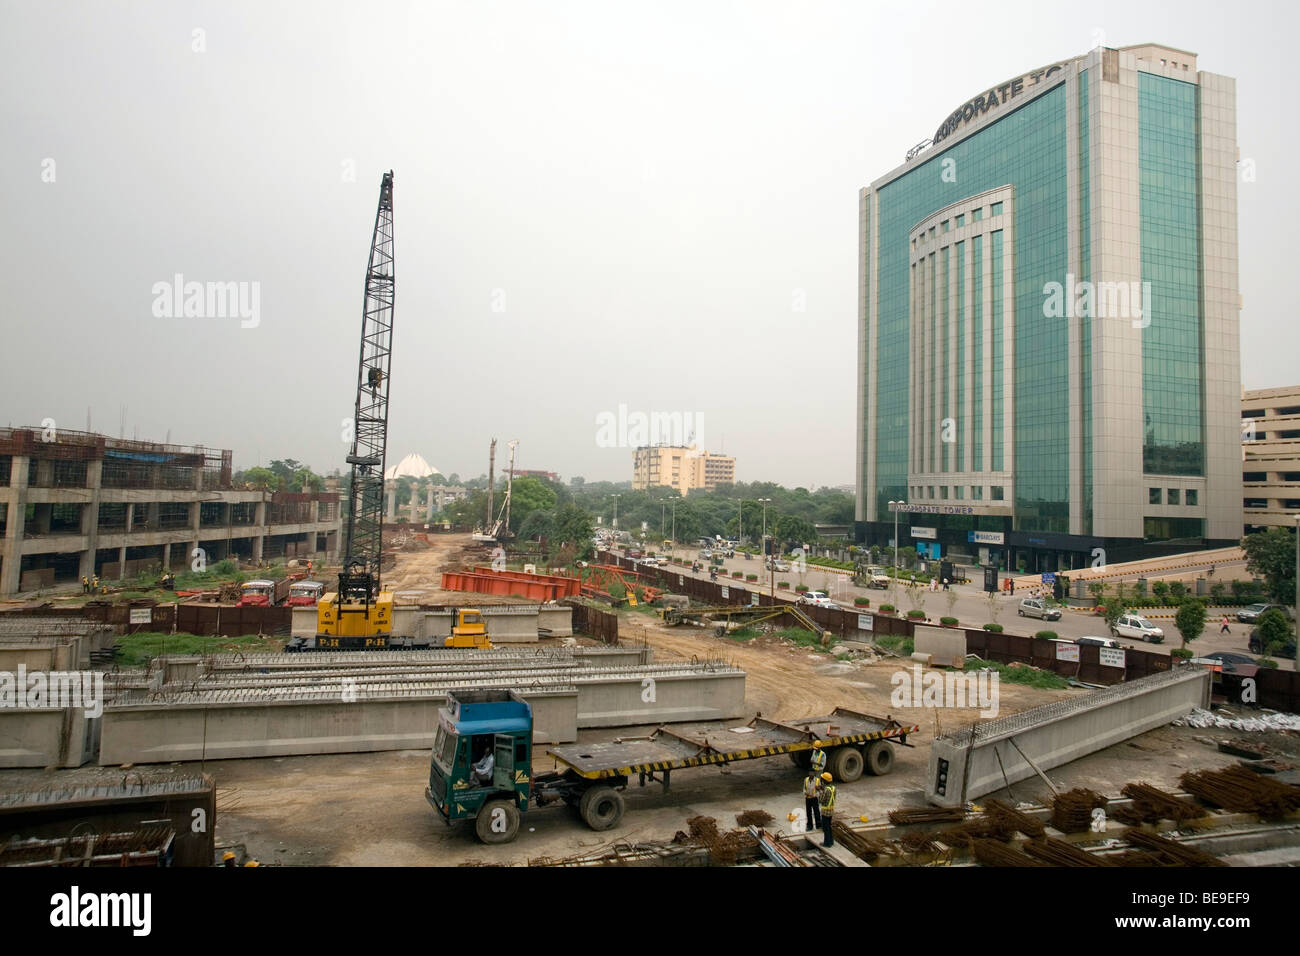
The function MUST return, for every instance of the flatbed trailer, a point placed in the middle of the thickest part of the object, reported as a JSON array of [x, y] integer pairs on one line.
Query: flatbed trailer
[[590, 777]]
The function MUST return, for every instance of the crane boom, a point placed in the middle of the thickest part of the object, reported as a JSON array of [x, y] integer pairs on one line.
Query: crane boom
[[363, 531]]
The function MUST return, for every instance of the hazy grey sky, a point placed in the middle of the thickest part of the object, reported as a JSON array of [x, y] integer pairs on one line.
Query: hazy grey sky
[[596, 204]]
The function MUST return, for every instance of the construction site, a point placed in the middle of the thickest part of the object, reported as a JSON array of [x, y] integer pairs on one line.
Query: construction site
[[605, 713]]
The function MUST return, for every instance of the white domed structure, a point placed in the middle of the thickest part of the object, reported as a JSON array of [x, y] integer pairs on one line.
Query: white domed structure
[[412, 466]]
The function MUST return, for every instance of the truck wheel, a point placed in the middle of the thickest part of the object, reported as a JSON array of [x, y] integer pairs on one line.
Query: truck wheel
[[880, 758], [497, 821], [846, 764], [720, 630], [601, 807], [801, 759]]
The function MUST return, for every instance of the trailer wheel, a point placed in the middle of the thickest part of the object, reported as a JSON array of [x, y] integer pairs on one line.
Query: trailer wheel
[[880, 758], [801, 759], [846, 764], [720, 630], [497, 821], [601, 807]]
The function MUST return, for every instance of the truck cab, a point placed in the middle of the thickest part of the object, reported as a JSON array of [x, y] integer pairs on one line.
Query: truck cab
[[305, 593], [258, 593], [463, 784]]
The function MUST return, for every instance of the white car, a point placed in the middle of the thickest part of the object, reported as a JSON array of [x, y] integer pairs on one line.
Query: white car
[[817, 599], [1037, 607], [1138, 628]]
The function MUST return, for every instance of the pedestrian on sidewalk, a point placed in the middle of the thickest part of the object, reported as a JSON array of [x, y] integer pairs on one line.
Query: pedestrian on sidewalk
[[1223, 628], [826, 803]]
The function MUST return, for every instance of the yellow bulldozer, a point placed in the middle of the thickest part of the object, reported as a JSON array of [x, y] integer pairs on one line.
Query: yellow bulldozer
[[468, 630]]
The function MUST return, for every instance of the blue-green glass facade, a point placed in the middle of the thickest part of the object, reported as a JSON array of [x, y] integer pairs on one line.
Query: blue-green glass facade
[[1085, 275], [1172, 359], [1026, 149]]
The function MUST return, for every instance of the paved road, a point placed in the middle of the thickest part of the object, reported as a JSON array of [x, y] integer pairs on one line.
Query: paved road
[[970, 605]]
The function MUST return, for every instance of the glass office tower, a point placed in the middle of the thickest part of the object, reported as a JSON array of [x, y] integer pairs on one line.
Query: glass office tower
[[1048, 367]]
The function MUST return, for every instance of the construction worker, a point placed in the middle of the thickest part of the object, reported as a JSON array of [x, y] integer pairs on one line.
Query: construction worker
[[826, 802], [85, 584], [818, 760], [228, 859], [95, 585], [812, 786]]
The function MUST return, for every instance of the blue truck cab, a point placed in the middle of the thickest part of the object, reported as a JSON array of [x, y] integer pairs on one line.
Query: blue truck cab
[[464, 784]]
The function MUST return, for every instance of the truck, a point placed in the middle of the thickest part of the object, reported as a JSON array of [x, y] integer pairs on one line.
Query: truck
[[305, 593], [873, 577], [482, 768], [468, 630], [263, 592]]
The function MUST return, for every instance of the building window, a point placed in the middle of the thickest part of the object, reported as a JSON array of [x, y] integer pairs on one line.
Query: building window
[[946, 224], [1173, 496], [1190, 497], [943, 492], [976, 492], [929, 491], [995, 209], [995, 492], [977, 214], [1153, 496], [959, 491], [961, 221]]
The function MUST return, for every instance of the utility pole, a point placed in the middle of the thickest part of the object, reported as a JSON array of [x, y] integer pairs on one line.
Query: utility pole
[[492, 461], [897, 506]]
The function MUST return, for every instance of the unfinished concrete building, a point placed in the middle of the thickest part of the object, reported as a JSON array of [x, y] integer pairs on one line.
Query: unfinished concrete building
[[76, 504]]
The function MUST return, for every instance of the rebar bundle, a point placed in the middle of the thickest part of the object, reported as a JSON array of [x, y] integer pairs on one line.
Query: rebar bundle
[[1171, 852], [759, 818], [1059, 853], [1151, 805], [994, 853], [927, 815], [1072, 810], [1006, 817], [1240, 791]]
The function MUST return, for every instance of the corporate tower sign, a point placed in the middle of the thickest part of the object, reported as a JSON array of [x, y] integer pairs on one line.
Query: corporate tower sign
[[997, 96]]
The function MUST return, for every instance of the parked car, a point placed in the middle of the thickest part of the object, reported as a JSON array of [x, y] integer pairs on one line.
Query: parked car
[[1099, 641], [778, 565], [1230, 661], [1037, 607], [1256, 646], [1252, 613], [816, 598], [1137, 628]]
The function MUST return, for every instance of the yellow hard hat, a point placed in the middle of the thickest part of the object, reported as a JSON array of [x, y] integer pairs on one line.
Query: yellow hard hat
[[827, 777], [227, 856], [252, 863]]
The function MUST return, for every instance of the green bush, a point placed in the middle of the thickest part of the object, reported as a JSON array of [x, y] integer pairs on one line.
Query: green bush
[[916, 614], [949, 621], [1161, 590], [887, 608], [1182, 652], [861, 602], [1032, 676], [751, 577], [995, 628], [1177, 590], [785, 585], [1045, 636], [1268, 662], [737, 574], [801, 588]]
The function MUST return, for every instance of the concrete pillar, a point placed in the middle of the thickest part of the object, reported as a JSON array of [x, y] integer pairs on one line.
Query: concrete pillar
[[167, 557], [10, 572], [153, 515], [391, 488], [90, 518], [130, 516], [428, 508], [121, 561]]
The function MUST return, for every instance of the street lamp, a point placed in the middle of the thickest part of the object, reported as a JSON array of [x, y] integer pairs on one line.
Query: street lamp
[[896, 506], [674, 500], [616, 497], [762, 545]]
